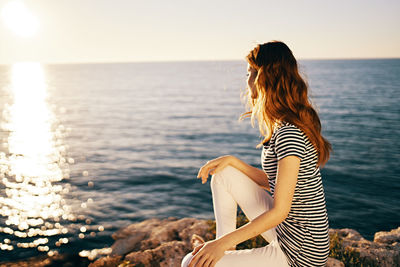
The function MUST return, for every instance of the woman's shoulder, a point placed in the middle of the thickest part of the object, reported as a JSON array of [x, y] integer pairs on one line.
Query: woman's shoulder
[[288, 128], [284, 129], [290, 133]]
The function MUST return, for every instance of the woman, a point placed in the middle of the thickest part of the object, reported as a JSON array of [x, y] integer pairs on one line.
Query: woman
[[294, 220]]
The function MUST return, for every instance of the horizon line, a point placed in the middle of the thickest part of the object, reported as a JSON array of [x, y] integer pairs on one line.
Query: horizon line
[[181, 61]]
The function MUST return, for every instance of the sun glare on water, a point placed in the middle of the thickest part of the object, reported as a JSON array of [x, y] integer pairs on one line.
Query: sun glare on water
[[32, 165], [17, 17]]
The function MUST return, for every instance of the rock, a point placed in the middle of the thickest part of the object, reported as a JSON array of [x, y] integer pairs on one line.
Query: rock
[[151, 233], [388, 237], [164, 242], [384, 251], [348, 234], [155, 242], [129, 243], [61, 260], [106, 262], [167, 254], [334, 263]]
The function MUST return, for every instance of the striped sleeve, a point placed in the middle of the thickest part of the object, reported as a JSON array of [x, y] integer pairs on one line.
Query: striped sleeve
[[289, 141]]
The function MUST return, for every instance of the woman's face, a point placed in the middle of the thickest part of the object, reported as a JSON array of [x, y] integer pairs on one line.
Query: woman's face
[[251, 76]]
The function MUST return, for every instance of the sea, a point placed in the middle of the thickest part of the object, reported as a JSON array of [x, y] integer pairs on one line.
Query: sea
[[87, 149]]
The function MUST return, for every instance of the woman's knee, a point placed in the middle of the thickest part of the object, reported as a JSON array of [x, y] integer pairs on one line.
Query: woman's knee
[[186, 260], [217, 177], [225, 176]]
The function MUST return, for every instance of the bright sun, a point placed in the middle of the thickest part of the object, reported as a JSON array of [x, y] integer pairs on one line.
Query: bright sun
[[19, 19]]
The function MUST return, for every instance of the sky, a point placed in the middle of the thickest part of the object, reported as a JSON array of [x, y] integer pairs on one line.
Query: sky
[[82, 31]]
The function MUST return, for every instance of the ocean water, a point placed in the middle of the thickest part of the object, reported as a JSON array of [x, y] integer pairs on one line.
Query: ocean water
[[89, 148]]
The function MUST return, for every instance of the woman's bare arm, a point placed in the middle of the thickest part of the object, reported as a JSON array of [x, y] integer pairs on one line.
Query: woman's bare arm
[[287, 173], [257, 175]]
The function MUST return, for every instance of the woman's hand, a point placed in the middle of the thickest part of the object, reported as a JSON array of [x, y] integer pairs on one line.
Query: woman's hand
[[214, 166], [207, 254]]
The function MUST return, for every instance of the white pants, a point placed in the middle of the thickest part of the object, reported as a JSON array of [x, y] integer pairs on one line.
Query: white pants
[[229, 188]]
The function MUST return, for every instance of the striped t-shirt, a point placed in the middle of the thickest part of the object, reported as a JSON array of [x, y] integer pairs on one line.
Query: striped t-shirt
[[303, 235]]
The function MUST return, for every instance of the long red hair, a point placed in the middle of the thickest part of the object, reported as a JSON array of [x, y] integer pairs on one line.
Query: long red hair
[[282, 95]]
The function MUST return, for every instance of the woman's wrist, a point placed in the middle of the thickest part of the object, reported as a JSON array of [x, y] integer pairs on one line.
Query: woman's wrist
[[232, 160], [225, 242]]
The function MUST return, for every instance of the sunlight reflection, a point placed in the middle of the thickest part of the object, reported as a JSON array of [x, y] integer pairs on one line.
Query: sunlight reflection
[[35, 162]]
